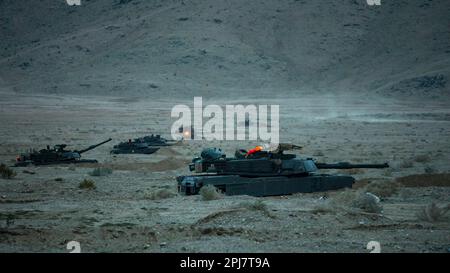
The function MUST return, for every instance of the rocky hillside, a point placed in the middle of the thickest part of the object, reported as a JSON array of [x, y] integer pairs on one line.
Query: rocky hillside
[[223, 48]]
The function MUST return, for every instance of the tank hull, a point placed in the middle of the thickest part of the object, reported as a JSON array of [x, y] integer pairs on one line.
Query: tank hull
[[146, 151], [264, 186], [56, 162]]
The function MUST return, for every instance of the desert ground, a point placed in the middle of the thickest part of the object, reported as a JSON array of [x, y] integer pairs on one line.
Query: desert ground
[[43, 208], [354, 83]]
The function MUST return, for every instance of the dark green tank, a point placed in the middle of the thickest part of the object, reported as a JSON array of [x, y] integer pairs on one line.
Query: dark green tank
[[264, 173], [142, 145], [55, 155]]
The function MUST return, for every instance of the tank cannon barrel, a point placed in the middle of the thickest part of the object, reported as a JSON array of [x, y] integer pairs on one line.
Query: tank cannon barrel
[[346, 165], [93, 146]]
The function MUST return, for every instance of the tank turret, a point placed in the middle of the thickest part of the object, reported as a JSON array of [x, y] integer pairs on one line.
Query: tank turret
[[143, 145]]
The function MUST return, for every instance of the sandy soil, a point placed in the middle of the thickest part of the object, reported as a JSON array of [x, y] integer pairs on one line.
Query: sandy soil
[[43, 210]]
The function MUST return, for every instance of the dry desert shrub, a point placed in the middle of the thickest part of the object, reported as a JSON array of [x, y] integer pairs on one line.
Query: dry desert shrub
[[325, 207], [257, 205], [406, 164], [101, 172], [422, 158], [360, 199], [7, 172], [429, 170], [432, 212], [368, 202], [160, 194], [387, 172], [383, 188], [87, 184], [209, 192], [343, 198]]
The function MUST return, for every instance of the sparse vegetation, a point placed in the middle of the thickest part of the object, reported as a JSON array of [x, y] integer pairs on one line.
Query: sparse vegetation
[[87, 184], [343, 198], [360, 199], [209, 192], [406, 164], [422, 158], [9, 220], [101, 172], [322, 208], [387, 172], [383, 188], [160, 194], [432, 212], [429, 170], [367, 202], [7, 172], [258, 205]]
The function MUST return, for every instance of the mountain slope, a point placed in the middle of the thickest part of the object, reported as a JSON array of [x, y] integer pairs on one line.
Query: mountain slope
[[218, 48]]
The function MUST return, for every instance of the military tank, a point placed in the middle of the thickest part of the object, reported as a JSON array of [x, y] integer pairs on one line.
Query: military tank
[[143, 145], [157, 140], [264, 173], [55, 155], [133, 147]]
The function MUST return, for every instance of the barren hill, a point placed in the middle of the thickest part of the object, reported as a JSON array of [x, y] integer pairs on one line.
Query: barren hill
[[223, 48]]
